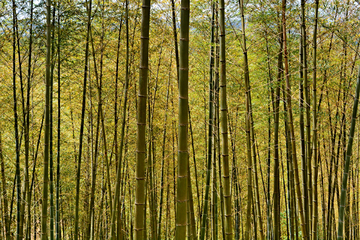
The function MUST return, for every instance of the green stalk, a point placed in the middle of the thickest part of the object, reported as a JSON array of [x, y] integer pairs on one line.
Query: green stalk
[[16, 128], [224, 127], [57, 215], [76, 230], [163, 155], [248, 133], [291, 124], [4, 195], [141, 124], [116, 204], [182, 198], [276, 111], [307, 166], [51, 128], [27, 126], [347, 161], [315, 137], [47, 122], [210, 129]]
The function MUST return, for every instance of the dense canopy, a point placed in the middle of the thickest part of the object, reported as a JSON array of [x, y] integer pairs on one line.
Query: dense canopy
[[179, 119]]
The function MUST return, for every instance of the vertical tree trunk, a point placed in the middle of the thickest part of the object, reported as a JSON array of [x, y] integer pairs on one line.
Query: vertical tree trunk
[[182, 198], [27, 127], [51, 153], [141, 124], [4, 195], [16, 131], [307, 165], [347, 162], [291, 123], [163, 154], [34, 175], [57, 216], [224, 128], [210, 129], [235, 180], [276, 110], [216, 141], [191, 216], [248, 231], [90, 226], [302, 129], [175, 38], [76, 229], [116, 209], [44, 235], [315, 129]]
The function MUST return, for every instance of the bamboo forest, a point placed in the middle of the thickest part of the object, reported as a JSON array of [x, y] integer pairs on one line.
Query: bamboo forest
[[179, 119]]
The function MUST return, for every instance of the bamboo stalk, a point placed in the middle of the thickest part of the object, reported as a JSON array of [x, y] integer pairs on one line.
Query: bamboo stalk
[[315, 129], [76, 230], [141, 125], [224, 128], [291, 123], [210, 128], [44, 233], [182, 196], [347, 161]]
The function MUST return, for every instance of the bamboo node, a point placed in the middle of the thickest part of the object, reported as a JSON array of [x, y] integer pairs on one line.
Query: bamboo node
[[140, 151], [184, 39], [185, 8], [227, 196], [138, 229], [181, 224], [143, 67], [180, 151], [226, 176], [145, 38], [140, 178], [139, 203], [184, 69], [141, 124], [183, 97], [181, 201]]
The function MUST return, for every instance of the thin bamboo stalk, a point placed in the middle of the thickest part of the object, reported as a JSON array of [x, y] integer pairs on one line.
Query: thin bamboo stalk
[[291, 123], [315, 129], [347, 162], [76, 229], [44, 233], [224, 128]]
